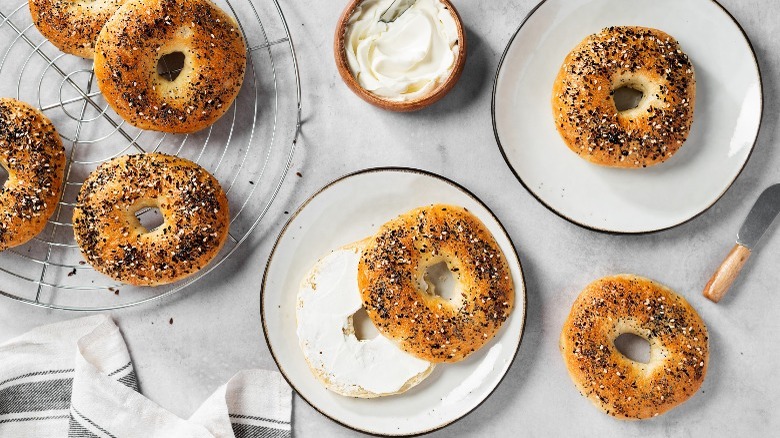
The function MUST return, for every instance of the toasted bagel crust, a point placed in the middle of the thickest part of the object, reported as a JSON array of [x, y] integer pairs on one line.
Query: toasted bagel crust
[[193, 205], [32, 153], [392, 270], [143, 31], [637, 57], [72, 25], [616, 384]]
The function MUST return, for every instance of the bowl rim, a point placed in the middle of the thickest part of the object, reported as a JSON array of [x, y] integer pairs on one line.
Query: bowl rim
[[342, 65]]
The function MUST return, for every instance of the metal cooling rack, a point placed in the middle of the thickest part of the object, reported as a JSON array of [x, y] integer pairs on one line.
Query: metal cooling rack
[[249, 150]]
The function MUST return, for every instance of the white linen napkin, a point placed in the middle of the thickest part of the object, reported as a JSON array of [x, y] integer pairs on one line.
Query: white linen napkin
[[76, 379]]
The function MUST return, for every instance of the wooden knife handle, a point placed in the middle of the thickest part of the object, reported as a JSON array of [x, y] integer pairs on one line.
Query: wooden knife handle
[[728, 271]]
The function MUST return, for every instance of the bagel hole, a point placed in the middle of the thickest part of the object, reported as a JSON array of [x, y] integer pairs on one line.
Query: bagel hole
[[169, 66], [364, 328], [627, 98], [150, 218], [3, 175], [440, 282], [633, 347]]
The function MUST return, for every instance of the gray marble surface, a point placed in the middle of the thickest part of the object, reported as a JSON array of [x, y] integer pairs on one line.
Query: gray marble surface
[[216, 328]]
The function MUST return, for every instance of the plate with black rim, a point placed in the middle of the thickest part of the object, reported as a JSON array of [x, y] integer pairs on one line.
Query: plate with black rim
[[729, 106], [350, 209]]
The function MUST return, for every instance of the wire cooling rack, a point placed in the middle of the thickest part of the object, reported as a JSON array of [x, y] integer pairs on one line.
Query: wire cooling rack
[[249, 150]]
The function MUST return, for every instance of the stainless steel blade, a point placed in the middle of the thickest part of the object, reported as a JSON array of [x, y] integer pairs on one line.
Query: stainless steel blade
[[396, 9], [760, 218]]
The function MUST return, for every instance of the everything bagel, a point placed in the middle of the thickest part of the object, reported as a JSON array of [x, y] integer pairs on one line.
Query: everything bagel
[[134, 40], [647, 60], [72, 25], [619, 386], [391, 280], [32, 153], [112, 239]]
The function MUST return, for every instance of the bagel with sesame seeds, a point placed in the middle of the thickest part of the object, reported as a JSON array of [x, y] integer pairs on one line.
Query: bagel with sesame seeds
[[402, 303], [619, 386], [32, 153], [142, 35], [72, 25], [587, 117], [113, 240]]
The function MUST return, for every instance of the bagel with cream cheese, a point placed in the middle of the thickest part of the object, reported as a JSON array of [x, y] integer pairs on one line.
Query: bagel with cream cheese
[[327, 302]]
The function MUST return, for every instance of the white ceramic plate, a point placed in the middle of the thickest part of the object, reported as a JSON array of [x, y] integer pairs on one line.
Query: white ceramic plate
[[727, 117], [351, 209]]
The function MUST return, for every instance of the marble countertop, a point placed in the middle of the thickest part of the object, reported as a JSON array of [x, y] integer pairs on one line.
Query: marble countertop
[[216, 327]]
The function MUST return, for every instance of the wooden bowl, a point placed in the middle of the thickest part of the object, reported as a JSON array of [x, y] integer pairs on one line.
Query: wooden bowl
[[339, 50]]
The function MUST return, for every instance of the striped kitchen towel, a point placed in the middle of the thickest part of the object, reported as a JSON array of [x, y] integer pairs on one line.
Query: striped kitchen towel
[[76, 379]]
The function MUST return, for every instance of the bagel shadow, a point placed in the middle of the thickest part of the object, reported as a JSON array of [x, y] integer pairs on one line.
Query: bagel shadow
[[684, 160], [695, 407], [496, 405]]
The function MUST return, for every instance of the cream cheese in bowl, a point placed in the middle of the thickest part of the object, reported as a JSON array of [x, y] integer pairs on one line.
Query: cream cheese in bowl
[[406, 59]]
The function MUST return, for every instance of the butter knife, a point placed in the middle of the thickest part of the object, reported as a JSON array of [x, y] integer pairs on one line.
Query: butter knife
[[758, 221], [396, 9]]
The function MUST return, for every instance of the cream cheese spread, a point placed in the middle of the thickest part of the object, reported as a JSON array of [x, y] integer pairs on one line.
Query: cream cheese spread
[[327, 299], [406, 59]]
